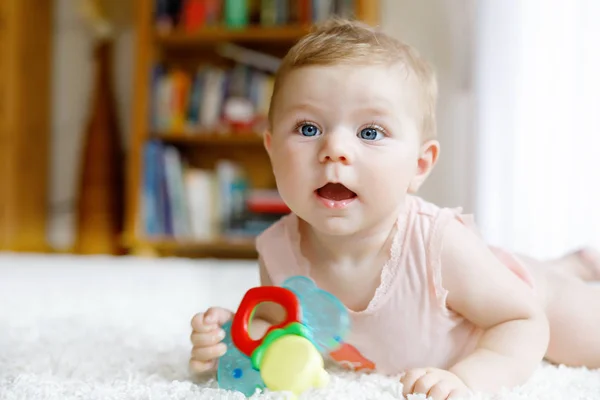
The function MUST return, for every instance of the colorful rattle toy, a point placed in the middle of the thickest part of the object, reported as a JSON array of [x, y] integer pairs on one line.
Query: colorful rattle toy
[[289, 356]]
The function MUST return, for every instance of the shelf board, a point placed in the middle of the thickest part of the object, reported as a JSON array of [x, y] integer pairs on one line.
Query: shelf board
[[210, 138], [222, 247], [283, 34], [226, 244]]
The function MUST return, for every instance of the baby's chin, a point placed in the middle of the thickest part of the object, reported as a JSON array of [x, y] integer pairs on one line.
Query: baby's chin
[[329, 225]]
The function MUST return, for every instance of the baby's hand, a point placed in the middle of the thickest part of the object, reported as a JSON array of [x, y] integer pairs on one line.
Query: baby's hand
[[435, 383], [206, 338]]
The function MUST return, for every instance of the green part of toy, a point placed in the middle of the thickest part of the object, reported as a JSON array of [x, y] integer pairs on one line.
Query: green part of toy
[[294, 328]]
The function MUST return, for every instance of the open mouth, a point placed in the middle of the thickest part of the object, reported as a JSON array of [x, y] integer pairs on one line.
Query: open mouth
[[335, 192]]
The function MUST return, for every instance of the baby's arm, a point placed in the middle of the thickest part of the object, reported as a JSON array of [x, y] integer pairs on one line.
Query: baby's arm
[[488, 294]]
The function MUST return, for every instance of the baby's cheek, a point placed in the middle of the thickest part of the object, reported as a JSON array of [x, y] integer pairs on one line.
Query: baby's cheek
[[377, 177], [292, 160], [384, 189], [288, 172], [285, 165]]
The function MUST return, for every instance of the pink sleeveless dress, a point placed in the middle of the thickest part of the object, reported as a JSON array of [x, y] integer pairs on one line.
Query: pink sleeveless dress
[[406, 324]]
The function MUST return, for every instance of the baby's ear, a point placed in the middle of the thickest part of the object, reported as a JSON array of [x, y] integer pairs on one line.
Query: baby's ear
[[267, 141], [428, 157]]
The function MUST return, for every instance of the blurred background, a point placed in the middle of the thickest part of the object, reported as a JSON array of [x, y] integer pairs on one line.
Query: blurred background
[[133, 127]]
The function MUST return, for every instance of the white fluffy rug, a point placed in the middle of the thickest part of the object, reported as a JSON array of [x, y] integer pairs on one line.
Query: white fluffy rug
[[107, 328]]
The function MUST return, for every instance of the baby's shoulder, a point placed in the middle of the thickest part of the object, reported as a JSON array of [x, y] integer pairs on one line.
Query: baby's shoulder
[[277, 234], [276, 247], [274, 230], [426, 221], [422, 208]]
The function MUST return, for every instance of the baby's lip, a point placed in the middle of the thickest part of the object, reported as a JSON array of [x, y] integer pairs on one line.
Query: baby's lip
[[333, 182], [335, 191]]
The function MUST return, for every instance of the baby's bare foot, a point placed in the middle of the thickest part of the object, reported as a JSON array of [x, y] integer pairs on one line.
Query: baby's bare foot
[[583, 263]]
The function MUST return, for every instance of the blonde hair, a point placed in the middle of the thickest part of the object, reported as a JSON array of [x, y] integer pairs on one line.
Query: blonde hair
[[339, 41]]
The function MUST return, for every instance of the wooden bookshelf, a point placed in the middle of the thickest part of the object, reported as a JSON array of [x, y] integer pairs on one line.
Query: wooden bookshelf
[[220, 34], [200, 148], [218, 247], [217, 139], [25, 111]]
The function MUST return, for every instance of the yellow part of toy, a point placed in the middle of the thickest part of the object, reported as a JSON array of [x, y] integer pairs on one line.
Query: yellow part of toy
[[292, 363]]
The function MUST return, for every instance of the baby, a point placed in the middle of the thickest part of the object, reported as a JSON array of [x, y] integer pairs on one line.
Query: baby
[[352, 138]]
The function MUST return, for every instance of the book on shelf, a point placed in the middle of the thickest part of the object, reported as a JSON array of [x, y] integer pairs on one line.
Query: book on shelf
[[210, 99], [185, 203], [192, 15]]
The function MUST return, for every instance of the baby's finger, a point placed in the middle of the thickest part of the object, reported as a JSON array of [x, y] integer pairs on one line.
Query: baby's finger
[[204, 339], [217, 315], [198, 324], [198, 367], [208, 353], [425, 384], [439, 391], [409, 379]]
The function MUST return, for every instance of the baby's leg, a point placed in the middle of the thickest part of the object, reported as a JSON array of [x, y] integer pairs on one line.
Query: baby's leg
[[573, 309], [583, 264]]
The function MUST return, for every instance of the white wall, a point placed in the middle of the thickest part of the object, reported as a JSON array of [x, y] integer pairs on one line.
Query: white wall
[[72, 80], [441, 30], [538, 91]]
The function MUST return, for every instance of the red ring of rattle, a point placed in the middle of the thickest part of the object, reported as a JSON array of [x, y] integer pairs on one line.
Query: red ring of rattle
[[239, 326]]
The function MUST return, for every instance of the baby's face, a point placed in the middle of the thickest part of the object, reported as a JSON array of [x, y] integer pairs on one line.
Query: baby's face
[[345, 144]]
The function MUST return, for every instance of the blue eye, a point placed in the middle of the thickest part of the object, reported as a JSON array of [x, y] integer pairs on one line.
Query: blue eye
[[370, 133], [309, 130]]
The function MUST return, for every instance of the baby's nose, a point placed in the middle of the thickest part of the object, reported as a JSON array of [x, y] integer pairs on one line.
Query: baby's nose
[[336, 148]]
